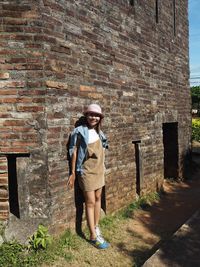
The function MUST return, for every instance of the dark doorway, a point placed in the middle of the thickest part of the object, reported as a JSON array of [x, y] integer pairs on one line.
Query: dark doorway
[[170, 142], [13, 183], [138, 162], [13, 186]]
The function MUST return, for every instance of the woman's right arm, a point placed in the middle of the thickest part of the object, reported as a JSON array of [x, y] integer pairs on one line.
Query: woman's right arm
[[73, 168]]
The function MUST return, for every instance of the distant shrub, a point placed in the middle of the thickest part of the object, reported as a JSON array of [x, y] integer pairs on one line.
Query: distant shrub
[[196, 129]]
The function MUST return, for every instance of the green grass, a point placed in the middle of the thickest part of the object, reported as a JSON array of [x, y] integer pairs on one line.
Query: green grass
[[128, 212], [17, 255], [64, 248]]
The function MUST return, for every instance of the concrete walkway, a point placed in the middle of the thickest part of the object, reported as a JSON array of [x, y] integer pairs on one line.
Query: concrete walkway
[[182, 250]]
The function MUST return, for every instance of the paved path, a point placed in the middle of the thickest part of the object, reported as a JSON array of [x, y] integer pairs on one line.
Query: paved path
[[182, 250]]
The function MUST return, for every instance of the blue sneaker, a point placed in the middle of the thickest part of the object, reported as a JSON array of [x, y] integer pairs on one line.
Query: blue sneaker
[[100, 243]]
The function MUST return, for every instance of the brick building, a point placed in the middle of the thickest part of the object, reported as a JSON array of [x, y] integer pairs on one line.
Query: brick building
[[131, 57]]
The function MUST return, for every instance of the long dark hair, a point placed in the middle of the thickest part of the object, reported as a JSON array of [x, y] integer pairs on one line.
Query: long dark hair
[[98, 127]]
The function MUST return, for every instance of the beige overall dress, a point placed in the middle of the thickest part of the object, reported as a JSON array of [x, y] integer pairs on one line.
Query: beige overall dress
[[93, 168]]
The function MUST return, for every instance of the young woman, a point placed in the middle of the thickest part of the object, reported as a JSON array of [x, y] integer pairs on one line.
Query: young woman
[[86, 149]]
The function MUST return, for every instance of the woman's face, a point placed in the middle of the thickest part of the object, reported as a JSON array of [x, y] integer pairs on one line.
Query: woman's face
[[93, 119]]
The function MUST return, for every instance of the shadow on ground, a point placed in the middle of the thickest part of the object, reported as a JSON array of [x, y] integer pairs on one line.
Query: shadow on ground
[[178, 203]]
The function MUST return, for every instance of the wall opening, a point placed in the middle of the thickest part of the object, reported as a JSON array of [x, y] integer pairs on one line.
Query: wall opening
[[13, 183], [157, 11], [138, 162], [170, 143], [174, 17]]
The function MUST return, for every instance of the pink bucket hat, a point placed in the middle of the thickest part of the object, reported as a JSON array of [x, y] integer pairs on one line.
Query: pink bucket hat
[[94, 108]]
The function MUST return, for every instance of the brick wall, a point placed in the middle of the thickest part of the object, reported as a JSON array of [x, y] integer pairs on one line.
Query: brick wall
[[57, 57]]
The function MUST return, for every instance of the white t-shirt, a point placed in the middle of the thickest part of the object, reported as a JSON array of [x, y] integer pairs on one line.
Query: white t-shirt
[[93, 136]]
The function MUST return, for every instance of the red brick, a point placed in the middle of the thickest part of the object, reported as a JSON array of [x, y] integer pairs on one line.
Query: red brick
[[30, 108], [44, 38], [7, 52], [3, 181], [3, 169], [54, 129], [4, 75], [29, 136], [14, 123], [20, 129], [86, 88], [12, 14], [39, 92], [56, 85], [4, 215], [13, 21], [34, 66], [3, 176], [10, 100], [3, 194], [3, 159], [8, 28], [10, 136], [11, 84], [61, 49], [33, 45], [32, 14], [33, 74], [34, 84], [38, 100], [33, 29], [8, 92], [23, 143], [15, 7], [16, 60], [19, 37], [4, 206], [13, 150], [4, 143]]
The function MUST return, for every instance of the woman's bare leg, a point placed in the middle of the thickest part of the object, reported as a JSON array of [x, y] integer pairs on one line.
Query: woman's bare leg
[[90, 212], [97, 208]]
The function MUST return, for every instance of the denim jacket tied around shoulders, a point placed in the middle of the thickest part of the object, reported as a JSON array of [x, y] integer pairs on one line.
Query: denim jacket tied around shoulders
[[82, 133]]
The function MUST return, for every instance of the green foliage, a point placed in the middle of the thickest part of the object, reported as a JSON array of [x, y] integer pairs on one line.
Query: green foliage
[[196, 129], [108, 221], [141, 203], [195, 93], [40, 239], [69, 240], [13, 254], [65, 244], [10, 254]]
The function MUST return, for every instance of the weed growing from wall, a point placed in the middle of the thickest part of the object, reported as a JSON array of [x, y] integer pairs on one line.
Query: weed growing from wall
[[40, 239]]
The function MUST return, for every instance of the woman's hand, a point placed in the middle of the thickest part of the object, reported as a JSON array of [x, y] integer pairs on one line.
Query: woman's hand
[[71, 180]]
